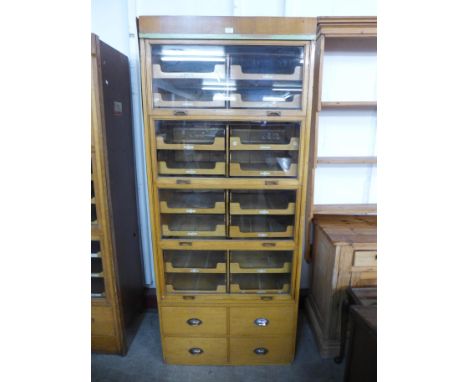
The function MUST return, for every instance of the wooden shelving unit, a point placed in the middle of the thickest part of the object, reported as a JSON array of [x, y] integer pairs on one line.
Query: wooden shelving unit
[[227, 130], [116, 275], [343, 249]]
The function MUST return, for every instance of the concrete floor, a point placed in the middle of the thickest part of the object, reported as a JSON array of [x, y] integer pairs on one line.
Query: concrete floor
[[143, 363]]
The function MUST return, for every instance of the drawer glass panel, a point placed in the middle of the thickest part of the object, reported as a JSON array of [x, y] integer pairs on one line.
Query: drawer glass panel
[[261, 226], [262, 202], [93, 214], [260, 283], [96, 267], [97, 287], [263, 163], [195, 282], [180, 225], [230, 76], [190, 135], [264, 136], [95, 248], [184, 162], [188, 261], [260, 261], [191, 202]]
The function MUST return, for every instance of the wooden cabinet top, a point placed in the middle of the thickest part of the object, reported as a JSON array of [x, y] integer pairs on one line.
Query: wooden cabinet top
[[348, 229]]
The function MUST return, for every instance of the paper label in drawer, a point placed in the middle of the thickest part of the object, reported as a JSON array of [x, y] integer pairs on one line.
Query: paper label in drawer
[[267, 76], [194, 270], [264, 173], [188, 147], [190, 171], [190, 211], [265, 147], [262, 235], [263, 212], [192, 233], [261, 270]]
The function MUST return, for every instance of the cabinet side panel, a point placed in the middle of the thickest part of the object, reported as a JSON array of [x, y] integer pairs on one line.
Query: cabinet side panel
[[121, 179]]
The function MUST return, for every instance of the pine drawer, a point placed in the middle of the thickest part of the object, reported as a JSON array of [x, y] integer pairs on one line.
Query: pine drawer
[[194, 321], [252, 351], [195, 351], [260, 321], [102, 321]]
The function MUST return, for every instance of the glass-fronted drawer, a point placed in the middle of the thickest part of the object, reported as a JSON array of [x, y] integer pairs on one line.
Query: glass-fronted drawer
[[191, 202], [261, 226], [263, 163], [93, 214], [190, 135], [183, 162], [96, 267], [260, 261], [95, 248], [227, 76], [264, 136], [189, 76], [188, 261], [251, 202], [260, 282], [195, 282], [97, 287], [179, 225]]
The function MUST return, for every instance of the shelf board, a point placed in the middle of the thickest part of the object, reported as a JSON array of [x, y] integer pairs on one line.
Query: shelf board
[[345, 209], [349, 105], [347, 160]]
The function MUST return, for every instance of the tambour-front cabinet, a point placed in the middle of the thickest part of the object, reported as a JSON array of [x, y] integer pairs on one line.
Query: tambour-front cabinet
[[226, 104], [116, 275]]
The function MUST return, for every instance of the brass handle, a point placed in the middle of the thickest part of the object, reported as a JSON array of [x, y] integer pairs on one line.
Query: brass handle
[[195, 351], [261, 322], [274, 113], [194, 322], [268, 244], [261, 351], [271, 182], [185, 243], [180, 112], [188, 297], [183, 181], [266, 298]]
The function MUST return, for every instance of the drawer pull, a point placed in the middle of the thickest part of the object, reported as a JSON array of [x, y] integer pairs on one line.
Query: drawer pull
[[271, 182], [180, 112], [183, 181], [195, 351], [268, 244], [266, 298], [261, 322], [188, 297], [261, 351], [274, 113], [194, 322], [185, 243]]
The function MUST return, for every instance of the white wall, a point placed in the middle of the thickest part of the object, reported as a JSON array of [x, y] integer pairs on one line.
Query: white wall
[[114, 22]]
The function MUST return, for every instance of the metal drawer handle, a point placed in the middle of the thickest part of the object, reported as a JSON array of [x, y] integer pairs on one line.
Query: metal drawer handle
[[274, 113], [180, 112], [185, 243], [195, 351], [261, 351], [194, 322], [261, 322], [183, 181], [271, 182], [268, 244]]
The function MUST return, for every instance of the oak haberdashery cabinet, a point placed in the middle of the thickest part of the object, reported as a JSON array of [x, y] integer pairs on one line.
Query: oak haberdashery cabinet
[[116, 274], [227, 121]]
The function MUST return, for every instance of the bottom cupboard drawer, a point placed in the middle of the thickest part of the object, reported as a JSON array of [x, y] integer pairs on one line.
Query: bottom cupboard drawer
[[102, 321], [252, 351], [194, 351]]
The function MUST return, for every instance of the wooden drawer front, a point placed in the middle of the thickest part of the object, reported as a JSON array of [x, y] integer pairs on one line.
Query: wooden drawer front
[[364, 279], [253, 351], [194, 351], [204, 321], [365, 258], [261, 321], [102, 321]]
